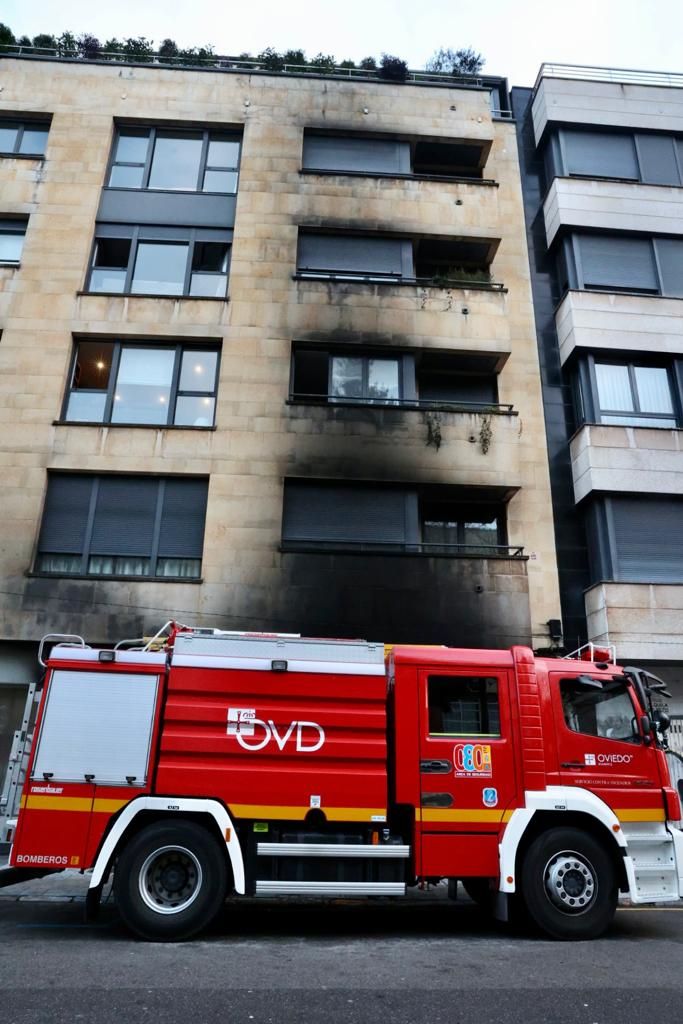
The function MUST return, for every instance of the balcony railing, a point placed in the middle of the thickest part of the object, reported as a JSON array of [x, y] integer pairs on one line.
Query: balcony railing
[[621, 76], [406, 548], [415, 404], [366, 277]]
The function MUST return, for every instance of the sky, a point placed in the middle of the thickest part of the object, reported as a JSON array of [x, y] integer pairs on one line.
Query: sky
[[515, 36]]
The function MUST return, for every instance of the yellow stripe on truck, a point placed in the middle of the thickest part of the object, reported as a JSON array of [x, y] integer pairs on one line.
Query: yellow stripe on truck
[[72, 803], [640, 814], [465, 814], [280, 813]]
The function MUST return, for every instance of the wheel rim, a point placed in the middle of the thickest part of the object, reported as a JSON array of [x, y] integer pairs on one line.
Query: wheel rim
[[570, 882], [170, 879]]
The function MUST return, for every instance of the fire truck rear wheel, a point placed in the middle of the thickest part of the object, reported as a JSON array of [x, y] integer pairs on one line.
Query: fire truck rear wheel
[[569, 884], [170, 881]]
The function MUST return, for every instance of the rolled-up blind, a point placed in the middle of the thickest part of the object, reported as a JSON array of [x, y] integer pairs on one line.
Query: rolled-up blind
[[349, 252], [345, 153], [608, 261], [319, 512], [600, 154], [648, 536]]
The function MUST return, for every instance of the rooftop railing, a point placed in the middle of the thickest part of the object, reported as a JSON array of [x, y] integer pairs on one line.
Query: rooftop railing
[[622, 76]]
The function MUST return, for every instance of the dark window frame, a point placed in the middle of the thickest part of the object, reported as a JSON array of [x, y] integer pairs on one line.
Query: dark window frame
[[22, 125], [633, 135], [636, 413], [151, 234], [86, 554], [207, 136], [180, 349], [410, 373], [413, 498], [13, 226]]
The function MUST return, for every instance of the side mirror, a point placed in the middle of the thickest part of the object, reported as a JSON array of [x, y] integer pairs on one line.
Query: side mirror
[[646, 726], [662, 720]]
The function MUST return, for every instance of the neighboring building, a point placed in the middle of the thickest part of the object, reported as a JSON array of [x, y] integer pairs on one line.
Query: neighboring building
[[601, 155], [268, 360]]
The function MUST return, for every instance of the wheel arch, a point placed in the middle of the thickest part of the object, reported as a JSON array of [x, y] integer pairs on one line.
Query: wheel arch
[[559, 807], [146, 810]]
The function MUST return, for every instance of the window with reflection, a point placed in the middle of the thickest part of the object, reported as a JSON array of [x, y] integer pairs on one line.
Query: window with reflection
[[157, 260], [634, 395], [364, 377], [118, 382], [23, 138], [175, 160], [12, 234], [463, 706]]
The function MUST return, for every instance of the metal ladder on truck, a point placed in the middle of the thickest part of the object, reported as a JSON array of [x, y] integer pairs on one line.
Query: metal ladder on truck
[[16, 766]]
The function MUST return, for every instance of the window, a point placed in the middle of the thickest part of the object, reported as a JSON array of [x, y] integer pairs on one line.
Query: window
[[123, 526], [414, 379], [173, 160], [117, 382], [605, 711], [24, 138], [451, 526], [636, 539], [634, 395], [12, 234], [651, 158], [364, 154], [160, 261], [436, 261], [463, 706], [423, 520], [623, 263]]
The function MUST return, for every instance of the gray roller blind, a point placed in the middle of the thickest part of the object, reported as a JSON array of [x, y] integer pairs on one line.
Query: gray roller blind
[[124, 516], [182, 518], [339, 153], [614, 262], [657, 159], [670, 255], [316, 512], [347, 252], [600, 154], [648, 537], [66, 513]]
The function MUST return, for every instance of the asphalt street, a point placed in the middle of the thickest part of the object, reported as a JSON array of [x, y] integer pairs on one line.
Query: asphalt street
[[341, 962]]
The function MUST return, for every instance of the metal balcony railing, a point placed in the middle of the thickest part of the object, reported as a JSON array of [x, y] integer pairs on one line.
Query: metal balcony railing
[[405, 548], [414, 404], [621, 76], [367, 277]]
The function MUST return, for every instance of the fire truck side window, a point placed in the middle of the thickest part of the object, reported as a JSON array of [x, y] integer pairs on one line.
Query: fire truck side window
[[606, 712], [463, 706]]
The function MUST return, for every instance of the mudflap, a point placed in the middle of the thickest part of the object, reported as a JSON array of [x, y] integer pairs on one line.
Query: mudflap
[[501, 907]]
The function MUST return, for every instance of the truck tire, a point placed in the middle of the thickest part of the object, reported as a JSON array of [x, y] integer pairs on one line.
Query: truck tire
[[170, 881], [569, 884]]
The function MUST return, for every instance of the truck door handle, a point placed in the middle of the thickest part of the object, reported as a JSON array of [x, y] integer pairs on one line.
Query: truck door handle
[[573, 764], [435, 767]]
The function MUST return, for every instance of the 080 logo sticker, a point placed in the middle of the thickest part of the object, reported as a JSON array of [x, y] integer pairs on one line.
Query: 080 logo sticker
[[472, 760]]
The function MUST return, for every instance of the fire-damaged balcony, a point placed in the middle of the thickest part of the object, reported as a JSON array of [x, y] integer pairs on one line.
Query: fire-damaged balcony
[[420, 379], [397, 259], [424, 564]]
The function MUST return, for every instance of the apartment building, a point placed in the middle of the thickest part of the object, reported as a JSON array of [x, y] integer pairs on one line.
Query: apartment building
[[601, 154], [268, 360]]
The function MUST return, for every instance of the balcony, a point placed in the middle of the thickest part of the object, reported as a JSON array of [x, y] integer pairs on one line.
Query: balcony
[[607, 96], [627, 459], [612, 206], [609, 321], [643, 620]]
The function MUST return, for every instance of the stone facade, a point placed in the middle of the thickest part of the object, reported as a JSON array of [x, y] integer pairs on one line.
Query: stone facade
[[260, 438]]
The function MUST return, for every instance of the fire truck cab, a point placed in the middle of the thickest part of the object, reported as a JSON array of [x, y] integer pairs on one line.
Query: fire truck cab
[[206, 763]]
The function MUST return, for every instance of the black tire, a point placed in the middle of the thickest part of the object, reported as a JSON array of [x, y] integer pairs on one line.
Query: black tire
[[170, 881], [479, 891], [569, 884]]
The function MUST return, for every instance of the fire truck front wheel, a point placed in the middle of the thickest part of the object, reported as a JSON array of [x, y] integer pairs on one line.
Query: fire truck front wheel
[[569, 884], [170, 881]]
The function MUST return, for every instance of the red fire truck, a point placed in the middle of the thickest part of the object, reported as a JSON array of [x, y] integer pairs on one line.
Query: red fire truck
[[206, 763]]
